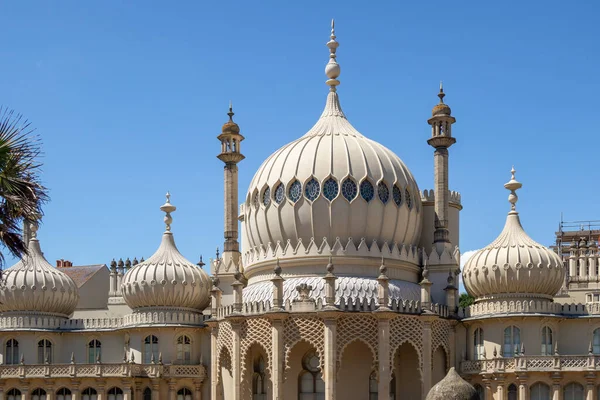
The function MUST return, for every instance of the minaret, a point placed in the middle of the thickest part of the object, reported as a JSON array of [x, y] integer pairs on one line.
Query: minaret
[[230, 139], [441, 139]]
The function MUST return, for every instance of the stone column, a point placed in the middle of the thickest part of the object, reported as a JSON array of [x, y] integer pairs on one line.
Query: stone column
[[590, 387], [197, 390], [101, 389], [500, 388], [277, 357], [556, 388], [2, 392], [236, 361], [384, 355], [50, 392], [426, 356], [214, 360], [452, 342], [25, 394], [127, 395], [74, 390], [155, 389], [329, 359], [522, 389], [172, 393]]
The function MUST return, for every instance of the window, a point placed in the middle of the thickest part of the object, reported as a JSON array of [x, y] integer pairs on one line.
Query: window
[[330, 189], [44, 351], [150, 349], [93, 351], [310, 381], [184, 394], [184, 349], [38, 394], [115, 394], [147, 395], [480, 391], [366, 190], [512, 392], [596, 342], [256, 201], [539, 391], [383, 192], [89, 394], [259, 391], [573, 391], [397, 194], [295, 191], [478, 344], [13, 394], [63, 394], [279, 193], [512, 341], [546, 341], [373, 389], [266, 197], [349, 189], [408, 198], [312, 189], [11, 354]]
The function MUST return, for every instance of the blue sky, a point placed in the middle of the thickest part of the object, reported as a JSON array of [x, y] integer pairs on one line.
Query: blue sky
[[129, 97]]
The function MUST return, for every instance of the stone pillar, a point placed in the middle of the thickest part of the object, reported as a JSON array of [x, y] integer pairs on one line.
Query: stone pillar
[[572, 265], [500, 389], [236, 360], [590, 387], [384, 355], [127, 395], [556, 388], [74, 390], [426, 375], [452, 342], [2, 389], [50, 393], [592, 266], [583, 265], [156, 389], [278, 358], [197, 390], [329, 359], [522, 389], [214, 361], [25, 394], [101, 389], [172, 386], [489, 392]]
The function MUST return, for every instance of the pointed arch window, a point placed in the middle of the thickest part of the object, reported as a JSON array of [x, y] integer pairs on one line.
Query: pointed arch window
[[397, 194], [480, 391], [150, 349], [383, 192], [11, 353], [330, 189], [408, 198], [115, 394], [312, 189], [349, 189], [546, 341], [539, 391], [512, 341], [13, 394], [310, 381], [366, 190], [295, 191], [184, 349], [573, 391], [94, 347], [184, 394], [279, 193], [89, 394], [63, 394], [38, 394], [259, 391], [147, 395], [266, 197], [596, 342], [373, 386], [512, 392], [44, 351], [478, 344]]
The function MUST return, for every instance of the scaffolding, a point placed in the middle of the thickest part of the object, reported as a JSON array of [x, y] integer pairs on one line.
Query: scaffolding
[[570, 232]]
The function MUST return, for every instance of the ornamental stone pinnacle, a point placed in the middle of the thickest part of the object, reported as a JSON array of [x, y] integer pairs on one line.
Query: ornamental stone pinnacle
[[332, 69], [168, 208]]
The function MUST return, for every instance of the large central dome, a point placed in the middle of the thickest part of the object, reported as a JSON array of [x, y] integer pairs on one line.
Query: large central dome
[[331, 183]]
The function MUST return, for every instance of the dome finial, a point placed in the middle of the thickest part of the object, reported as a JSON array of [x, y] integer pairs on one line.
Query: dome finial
[[230, 113], [332, 69], [513, 185], [168, 208], [441, 94]]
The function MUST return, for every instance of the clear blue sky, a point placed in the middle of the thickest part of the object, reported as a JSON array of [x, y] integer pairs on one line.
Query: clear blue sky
[[130, 95]]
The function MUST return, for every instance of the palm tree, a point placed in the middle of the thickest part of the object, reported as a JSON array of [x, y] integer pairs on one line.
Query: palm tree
[[21, 193]]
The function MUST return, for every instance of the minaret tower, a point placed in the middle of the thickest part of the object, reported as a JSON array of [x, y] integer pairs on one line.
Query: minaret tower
[[441, 140], [230, 139]]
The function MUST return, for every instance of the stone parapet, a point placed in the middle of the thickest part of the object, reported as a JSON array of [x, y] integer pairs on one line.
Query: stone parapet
[[494, 308], [101, 370], [555, 363]]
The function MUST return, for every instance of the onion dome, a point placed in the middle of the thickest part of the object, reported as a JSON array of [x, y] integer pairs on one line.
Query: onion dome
[[230, 127], [513, 265], [333, 182], [441, 108], [34, 286], [452, 387], [166, 280]]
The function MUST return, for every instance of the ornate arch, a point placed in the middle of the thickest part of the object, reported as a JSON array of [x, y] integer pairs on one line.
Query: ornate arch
[[224, 337], [357, 327], [224, 361], [395, 352], [440, 334], [406, 329], [308, 329], [246, 385], [256, 331]]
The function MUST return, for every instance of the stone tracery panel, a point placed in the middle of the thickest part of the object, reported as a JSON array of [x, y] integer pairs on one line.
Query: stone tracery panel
[[406, 329], [224, 339], [309, 329], [256, 330], [357, 327], [440, 335]]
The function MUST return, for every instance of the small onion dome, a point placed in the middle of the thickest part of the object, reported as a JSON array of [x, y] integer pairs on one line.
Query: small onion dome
[[452, 387], [230, 127], [167, 279], [441, 108], [513, 265], [34, 286]]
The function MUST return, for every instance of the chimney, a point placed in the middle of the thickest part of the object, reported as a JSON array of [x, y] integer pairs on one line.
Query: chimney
[[63, 263]]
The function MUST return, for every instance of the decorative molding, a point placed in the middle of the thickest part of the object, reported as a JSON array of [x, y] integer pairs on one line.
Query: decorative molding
[[428, 196], [101, 370]]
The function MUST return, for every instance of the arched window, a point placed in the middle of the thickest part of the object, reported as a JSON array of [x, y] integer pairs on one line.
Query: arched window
[[147, 395], [546, 341], [393, 387], [89, 394], [63, 394], [310, 381], [512, 392], [480, 391], [184, 349], [13, 394], [93, 351], [150, 349], [184, 394], [44, 351], [539, 391], [478, 344], [38, 394], [573, 391], [115, 394], [373, 386], [11, 353], [259, 391], [512, 341], [596, 342]]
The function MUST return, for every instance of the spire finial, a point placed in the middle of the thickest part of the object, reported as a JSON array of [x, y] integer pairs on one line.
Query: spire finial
[[441, 94], [332, 69], [230, 113], [513, 185], [168, 208]]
